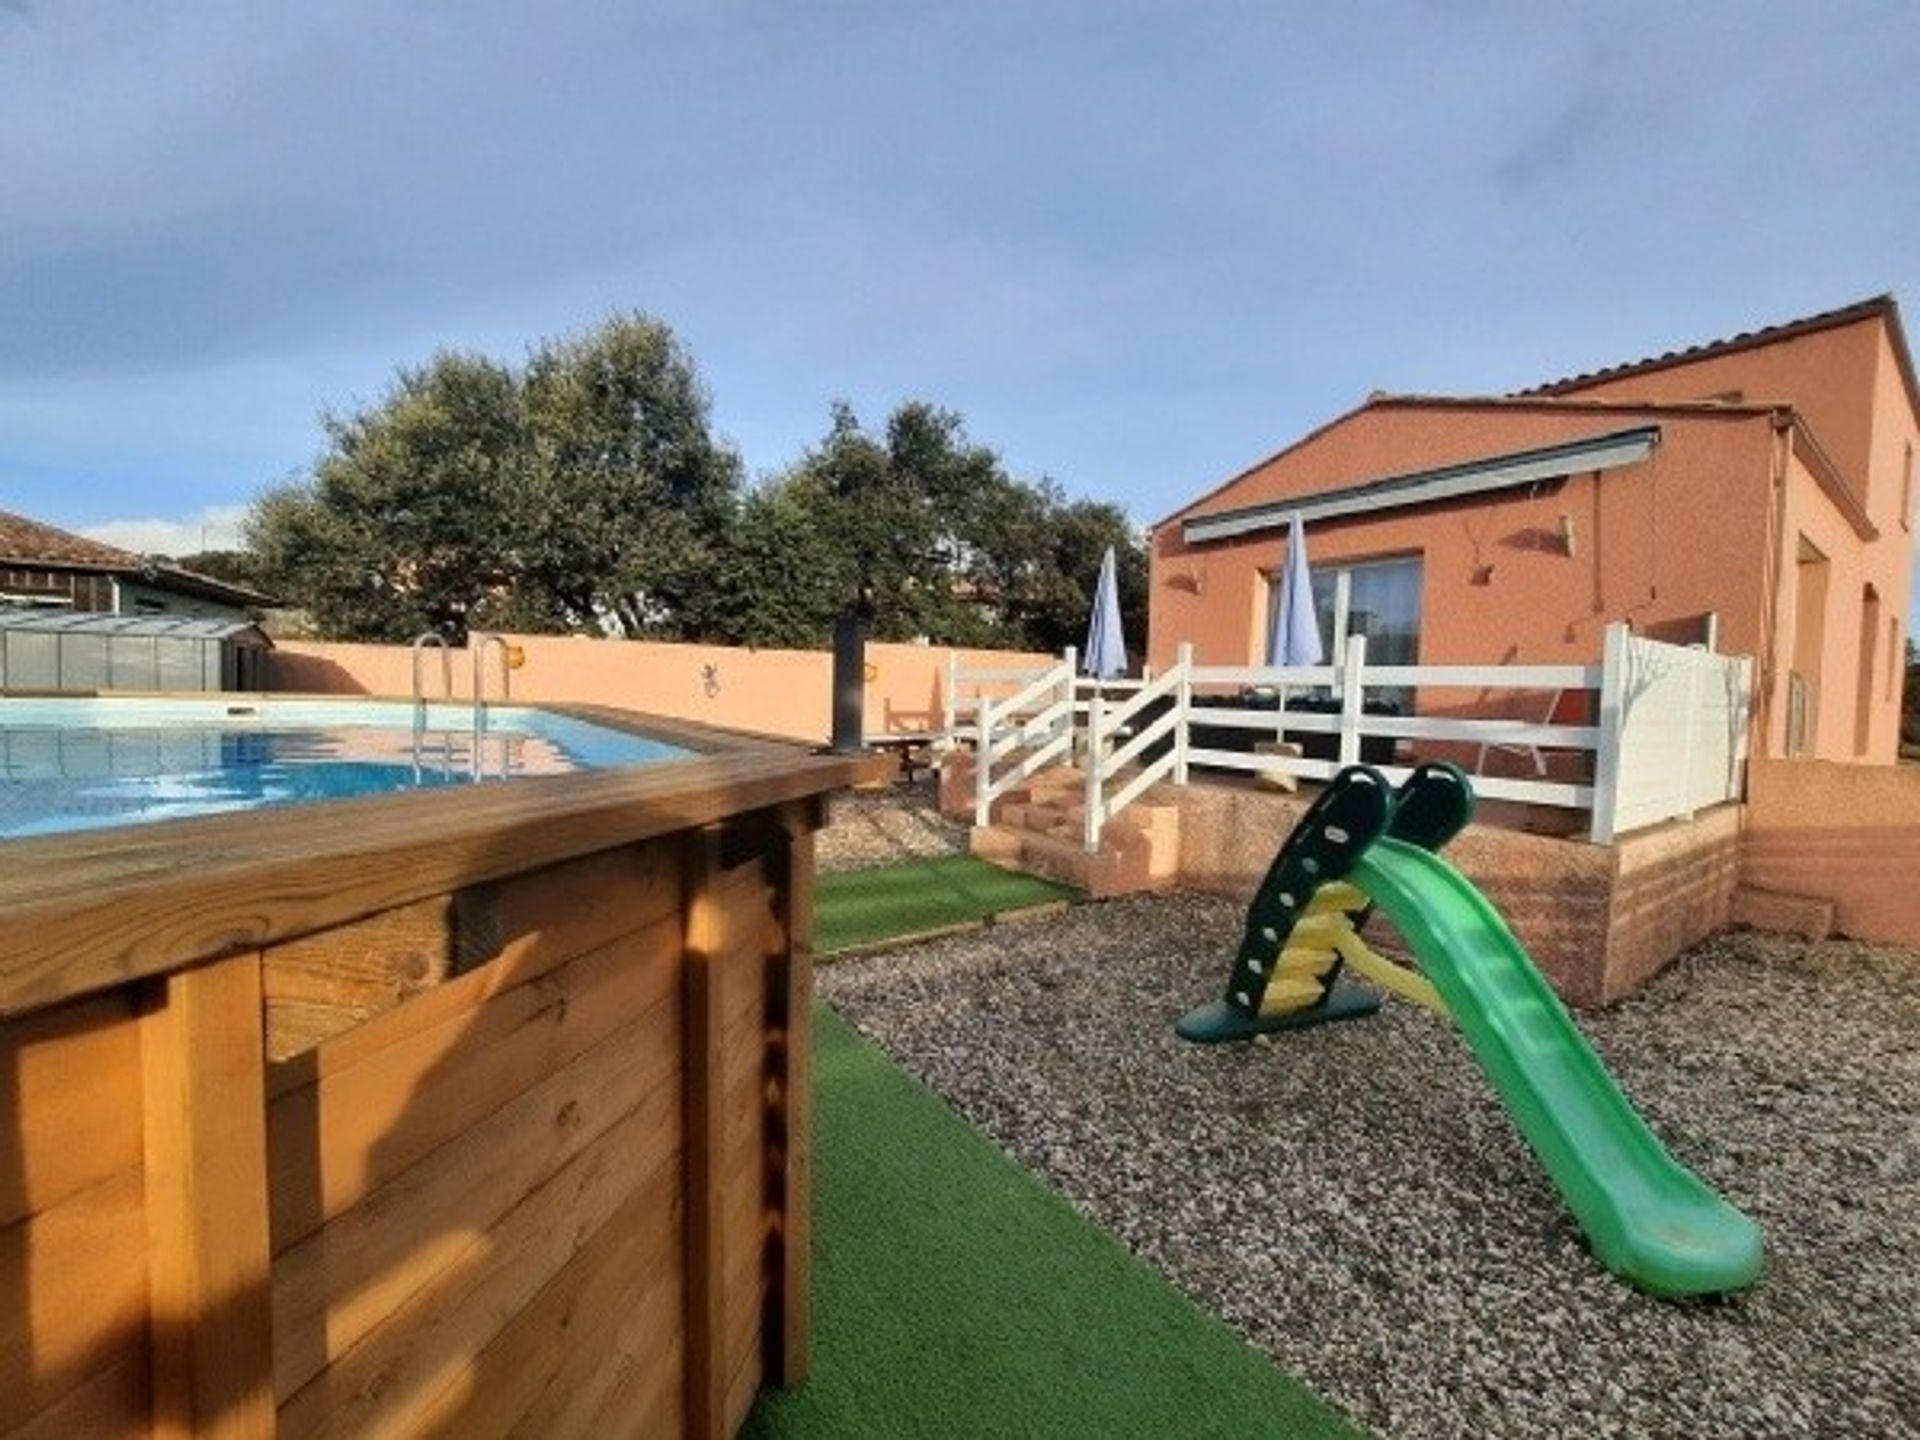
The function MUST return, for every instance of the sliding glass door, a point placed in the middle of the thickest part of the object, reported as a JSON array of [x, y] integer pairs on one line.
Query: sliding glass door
[[1379, 599]]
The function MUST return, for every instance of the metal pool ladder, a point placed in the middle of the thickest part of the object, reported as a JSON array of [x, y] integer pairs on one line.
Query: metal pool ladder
[[420, 644], [480, 647]]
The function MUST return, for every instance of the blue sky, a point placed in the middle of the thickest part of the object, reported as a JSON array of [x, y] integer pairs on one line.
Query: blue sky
[[1137, 245]]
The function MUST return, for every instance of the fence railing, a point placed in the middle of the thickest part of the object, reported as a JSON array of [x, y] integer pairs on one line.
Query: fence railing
[[1668, 735], [967, 685], [1029, 730]]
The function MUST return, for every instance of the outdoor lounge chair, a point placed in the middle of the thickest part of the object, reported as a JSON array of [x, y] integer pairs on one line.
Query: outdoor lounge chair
[[1534, 752]]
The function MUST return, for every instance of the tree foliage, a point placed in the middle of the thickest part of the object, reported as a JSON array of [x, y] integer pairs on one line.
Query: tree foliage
[[585, 491], [577, 493], [627, 494], [928, 534]]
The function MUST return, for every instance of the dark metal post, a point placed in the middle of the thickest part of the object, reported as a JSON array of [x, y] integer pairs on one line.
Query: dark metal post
[[849, 684]]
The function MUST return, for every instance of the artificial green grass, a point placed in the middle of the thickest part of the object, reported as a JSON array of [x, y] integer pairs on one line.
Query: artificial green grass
[[955, 1295], [864, 907]]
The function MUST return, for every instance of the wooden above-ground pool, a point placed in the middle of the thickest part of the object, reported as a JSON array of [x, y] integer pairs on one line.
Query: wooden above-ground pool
[[473, 1111]]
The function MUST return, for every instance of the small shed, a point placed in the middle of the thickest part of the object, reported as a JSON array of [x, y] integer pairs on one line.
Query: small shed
[[70, 652]]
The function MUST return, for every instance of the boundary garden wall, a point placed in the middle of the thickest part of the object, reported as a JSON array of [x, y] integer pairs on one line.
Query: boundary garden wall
[[783, 693]]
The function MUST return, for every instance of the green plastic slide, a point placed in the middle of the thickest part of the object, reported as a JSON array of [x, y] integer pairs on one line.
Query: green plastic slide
[[1647, 1217]]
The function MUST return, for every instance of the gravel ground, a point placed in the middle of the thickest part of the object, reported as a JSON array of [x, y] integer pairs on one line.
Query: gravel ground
[[868, 828], [1354, 1200]]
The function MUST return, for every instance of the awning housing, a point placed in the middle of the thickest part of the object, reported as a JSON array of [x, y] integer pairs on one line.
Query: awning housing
[[1423, 487]]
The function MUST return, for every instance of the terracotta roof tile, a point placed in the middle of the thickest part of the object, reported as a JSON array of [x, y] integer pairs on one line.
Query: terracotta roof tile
[[29, 540]]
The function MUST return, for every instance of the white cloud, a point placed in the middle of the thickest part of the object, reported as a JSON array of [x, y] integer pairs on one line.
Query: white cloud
[[215, 528]]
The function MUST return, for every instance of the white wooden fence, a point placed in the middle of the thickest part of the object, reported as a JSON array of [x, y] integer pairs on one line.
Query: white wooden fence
[[1670, 735], [1675, 724], [1030, 730], [968, 685]]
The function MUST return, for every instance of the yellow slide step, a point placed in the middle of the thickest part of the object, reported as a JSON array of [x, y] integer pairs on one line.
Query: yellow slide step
[[1319, 930], [1289, 992], [1337, 897], [1304, 960]]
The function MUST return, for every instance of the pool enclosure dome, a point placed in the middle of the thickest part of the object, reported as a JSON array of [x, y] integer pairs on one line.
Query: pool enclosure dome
[[68, 653]]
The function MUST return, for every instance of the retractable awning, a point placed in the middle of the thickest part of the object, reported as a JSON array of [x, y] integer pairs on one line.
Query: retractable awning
[[1422, 487]]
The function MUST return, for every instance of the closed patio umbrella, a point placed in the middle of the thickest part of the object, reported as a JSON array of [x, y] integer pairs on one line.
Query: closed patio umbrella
[[1106, 654], [1295, 638], [1296, 631]]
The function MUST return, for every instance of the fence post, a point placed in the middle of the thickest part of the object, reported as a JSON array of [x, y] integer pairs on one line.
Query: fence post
[[1696, 661], [1608, 760], [1096, 764], [1352, 694], [1070, 658], [983, 763], [1743, 735], [1182, 709]]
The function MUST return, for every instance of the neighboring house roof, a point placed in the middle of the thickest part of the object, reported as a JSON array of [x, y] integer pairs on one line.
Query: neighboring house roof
[[30, 542], [1880, 307]]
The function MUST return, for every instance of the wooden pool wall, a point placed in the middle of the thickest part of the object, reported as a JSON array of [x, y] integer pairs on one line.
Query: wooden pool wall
[[524, 1153]]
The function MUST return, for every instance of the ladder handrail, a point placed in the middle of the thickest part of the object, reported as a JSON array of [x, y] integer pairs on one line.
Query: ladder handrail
[[479, 647], [420, 644]]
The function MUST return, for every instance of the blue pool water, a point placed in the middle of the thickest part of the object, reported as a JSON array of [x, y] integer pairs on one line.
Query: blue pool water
[[85, 764]]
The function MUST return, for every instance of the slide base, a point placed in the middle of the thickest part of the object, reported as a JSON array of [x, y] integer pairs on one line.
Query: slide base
[[1220, 1022]]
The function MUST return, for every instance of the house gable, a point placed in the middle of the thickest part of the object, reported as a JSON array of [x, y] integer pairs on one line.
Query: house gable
[[1399, 436], [1825, 366]]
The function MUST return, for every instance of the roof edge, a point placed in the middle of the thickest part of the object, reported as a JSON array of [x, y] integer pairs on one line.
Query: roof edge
[[1280, 454], [1808, 450], [1881, 307], [1501, 470]]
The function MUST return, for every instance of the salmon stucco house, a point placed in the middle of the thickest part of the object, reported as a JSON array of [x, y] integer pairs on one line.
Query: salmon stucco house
[[1754, 493]]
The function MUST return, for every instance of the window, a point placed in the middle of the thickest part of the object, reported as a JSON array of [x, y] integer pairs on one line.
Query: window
[[1895, 670], [1379, 599]]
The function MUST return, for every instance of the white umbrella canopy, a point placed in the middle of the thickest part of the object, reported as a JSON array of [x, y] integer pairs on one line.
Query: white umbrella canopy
[[1106, 653], [1295, 639]]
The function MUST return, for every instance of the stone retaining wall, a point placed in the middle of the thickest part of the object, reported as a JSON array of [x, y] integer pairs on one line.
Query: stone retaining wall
[[1845, 833], [1597, 921]]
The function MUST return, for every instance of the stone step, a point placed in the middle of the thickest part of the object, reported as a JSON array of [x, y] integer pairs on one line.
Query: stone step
[[1805, 915], [1159, 819], [1068, 822], [1126, 863]]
